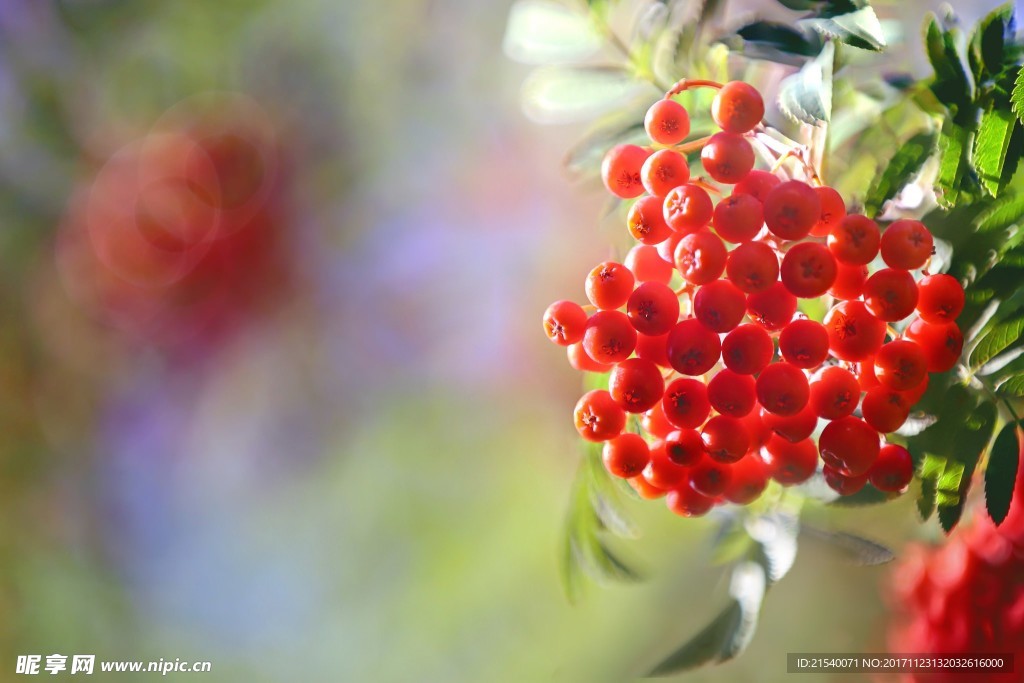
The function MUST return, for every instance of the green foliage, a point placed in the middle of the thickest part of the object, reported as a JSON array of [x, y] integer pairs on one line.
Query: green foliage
[[859, 28], [991, 147], [853, 548], [998, 339], [806, 96], [1001, 472], [902, 168]]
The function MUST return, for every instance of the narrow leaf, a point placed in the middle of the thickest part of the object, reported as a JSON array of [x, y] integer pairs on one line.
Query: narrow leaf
[[1017, 97], [952, 144], [556, 94], [859, 29], [779, 37], [902, 167], [998, 339], [855, 549], [990, 147], [544, 32], [1001, 473], [806, 96], [1013, 388], [950, 83], [987, 43], [1003, 213]]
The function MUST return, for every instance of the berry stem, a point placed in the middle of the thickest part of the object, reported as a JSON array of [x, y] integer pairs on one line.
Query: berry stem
[[710, 187], [693, 145], [686, 83]]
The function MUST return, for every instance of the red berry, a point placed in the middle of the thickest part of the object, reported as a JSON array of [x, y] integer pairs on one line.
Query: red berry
[[655, 423], [579, 360], [866, 374], [686, 502], [914, 395], [598, 417], [737, 107], [685, 403], [841, 483], [773, 307], [610, 337], [664, 171], [890, 294], [731, 393], [626, 455], [808, 270], [725, 438], [747, 349], [885, 410], [565, 322], [687, 208], [835, 393], [748, 480], [636, 385], [893, 469], [738, 218], [790, 463], [667, 122], [654, 349], [620, 170], [906, 244], [849, 445], [792, 428], [942, 343], [757, 183], [804, 343], [645, 489], [647, 265], [833, 210], [684, 447], [709, 477], [900, 365], [853, 333], [940, 298], [849, 282], [646, 222], [661, 471], [719, 305], [609, 284], [854, 240], [791, 209], [727, 157], [700, 257], [782, 389], [753, 267], [756, 428], [653, 308], [693, 349], [667, 249]]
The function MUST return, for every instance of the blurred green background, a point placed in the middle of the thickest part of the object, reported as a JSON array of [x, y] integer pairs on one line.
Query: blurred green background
[[338, 448]]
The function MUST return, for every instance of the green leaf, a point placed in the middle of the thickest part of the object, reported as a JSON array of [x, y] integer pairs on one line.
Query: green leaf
[[1003, 213], [806, 96], [558, 94], [859, 28], [1001, 473], [902, 167], [776, 536], [950, 83], [990, 147], [544, 32], [999, 338], [766, 34], [1013, 388], [970, 442], [728, 633], [926, 498], [988, 42], [952, 144], [868, 495], [1017, 97]]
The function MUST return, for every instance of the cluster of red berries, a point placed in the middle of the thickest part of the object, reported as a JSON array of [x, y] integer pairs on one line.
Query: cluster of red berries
[[965, 596], [700, 332]]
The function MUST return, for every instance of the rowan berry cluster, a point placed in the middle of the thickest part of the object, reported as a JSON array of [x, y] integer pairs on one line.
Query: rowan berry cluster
[[700, 333]]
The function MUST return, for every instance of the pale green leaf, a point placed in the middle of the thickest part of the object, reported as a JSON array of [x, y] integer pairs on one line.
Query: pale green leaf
[[859, 29], [806, 96], [544, 32], [990, 146]]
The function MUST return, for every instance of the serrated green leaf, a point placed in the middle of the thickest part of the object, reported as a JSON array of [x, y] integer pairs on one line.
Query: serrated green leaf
[[952, 144], [728, 633], [868, 495], [806, 96], [1017, 97], [931, 467], [987, 43], [990, 147], [1003, 213], [949, 516], [1001, 473], [998, 339], [545, 32], [955, 481], [1013, 387], [902, 167], [778, 37], [950, 83], [775, 535], [859, 28]]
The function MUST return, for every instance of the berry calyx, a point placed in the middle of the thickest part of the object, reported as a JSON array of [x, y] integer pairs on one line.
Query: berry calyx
[[609, 284], [727, 157], [738, 107], [791, 209], [636, 385], [620, 170], [626, 455], [598, 417], [906, 244], [664, 171], [667, 122], [565, 322]]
